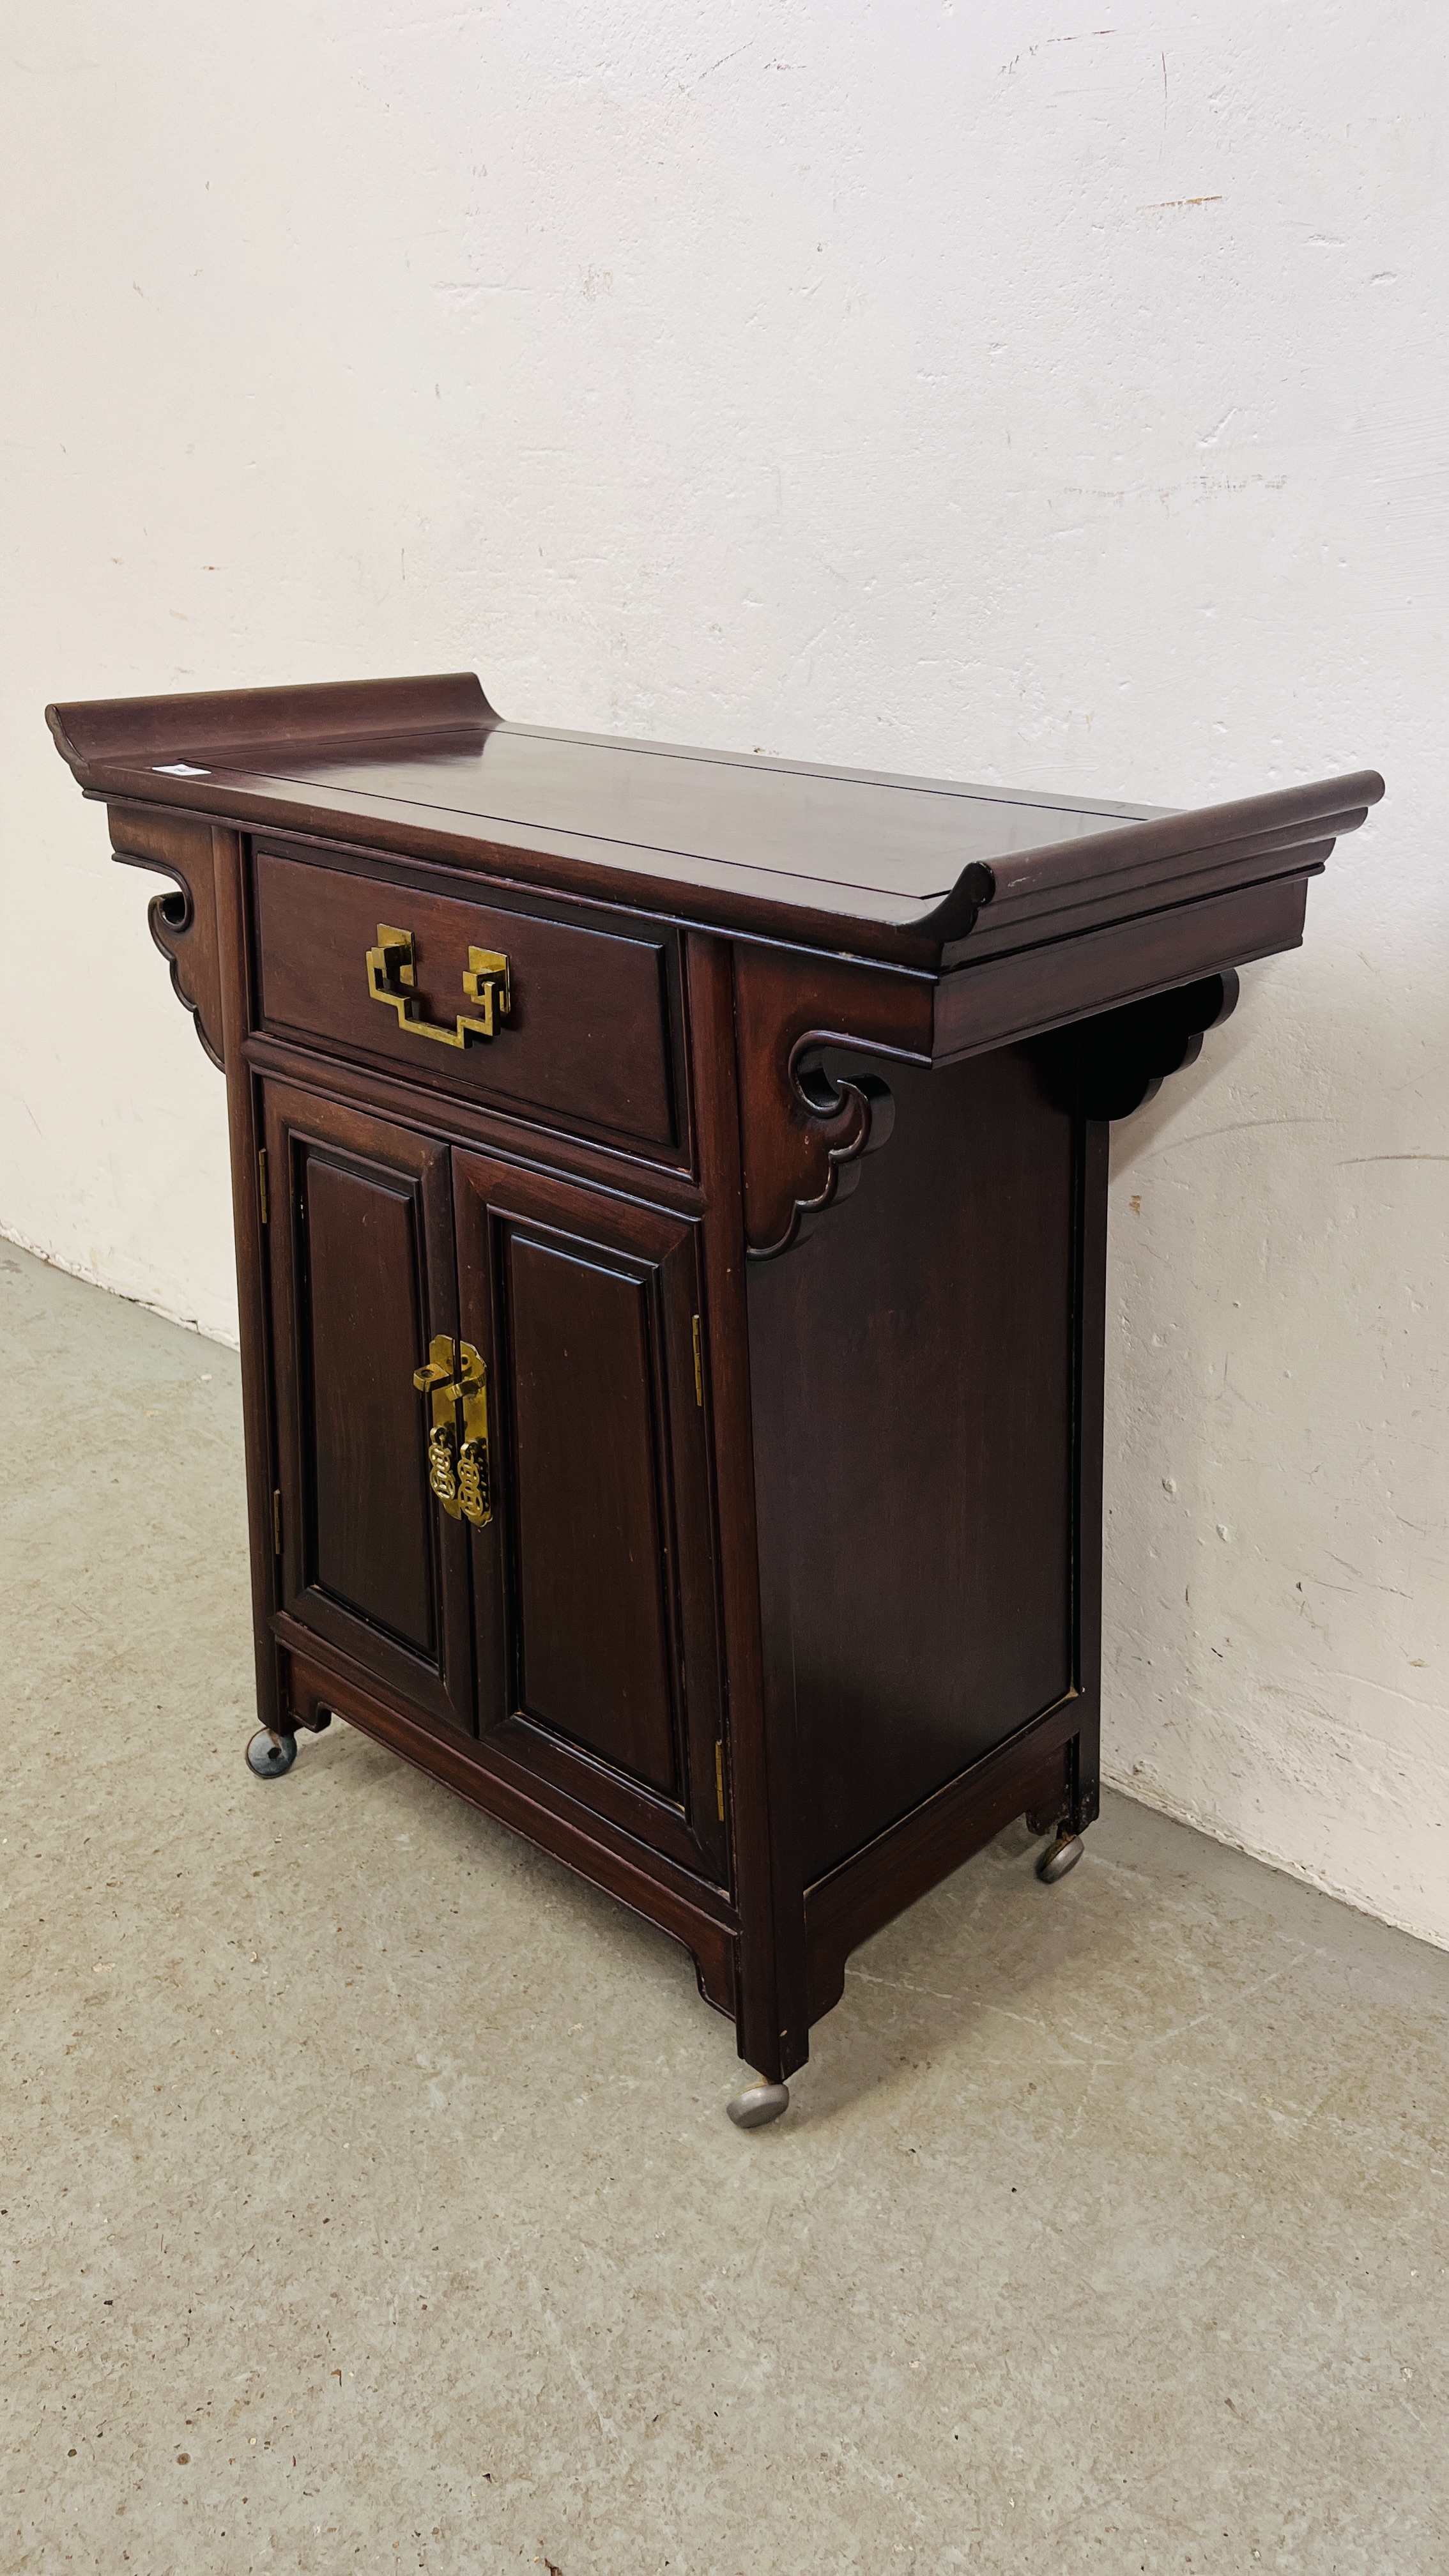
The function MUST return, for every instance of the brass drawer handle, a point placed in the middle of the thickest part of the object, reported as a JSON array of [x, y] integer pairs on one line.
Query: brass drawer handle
[[391, 974], [458, 1475]]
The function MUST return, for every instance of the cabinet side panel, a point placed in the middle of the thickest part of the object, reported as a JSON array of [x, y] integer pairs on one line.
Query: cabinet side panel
[[911, 1363], [593, 1635]]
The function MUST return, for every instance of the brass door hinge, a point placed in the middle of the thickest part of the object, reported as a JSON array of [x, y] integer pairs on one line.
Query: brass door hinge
[[719, 1776], [698, 1366], [262, 1183], [277, 1522]]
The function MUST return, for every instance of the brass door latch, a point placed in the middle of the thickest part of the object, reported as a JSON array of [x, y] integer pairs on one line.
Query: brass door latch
[[457, 1473], [392, 974]]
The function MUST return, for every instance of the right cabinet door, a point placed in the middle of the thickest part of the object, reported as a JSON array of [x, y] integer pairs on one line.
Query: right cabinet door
[[594, 1590]]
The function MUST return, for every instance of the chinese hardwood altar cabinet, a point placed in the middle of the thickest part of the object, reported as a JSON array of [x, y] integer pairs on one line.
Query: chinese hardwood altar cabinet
[[671, 1198]]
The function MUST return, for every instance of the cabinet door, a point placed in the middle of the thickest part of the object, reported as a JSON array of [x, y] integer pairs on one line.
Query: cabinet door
[[594, 1595], [362, 1278]]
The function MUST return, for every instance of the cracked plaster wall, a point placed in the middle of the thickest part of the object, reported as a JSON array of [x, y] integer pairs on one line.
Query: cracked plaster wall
[[957, 390]]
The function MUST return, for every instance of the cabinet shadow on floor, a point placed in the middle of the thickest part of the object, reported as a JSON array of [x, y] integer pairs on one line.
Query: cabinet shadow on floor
[[990, 1968]]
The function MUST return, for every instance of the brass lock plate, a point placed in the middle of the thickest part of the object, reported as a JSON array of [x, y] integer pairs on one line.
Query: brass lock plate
[[458, 1473]]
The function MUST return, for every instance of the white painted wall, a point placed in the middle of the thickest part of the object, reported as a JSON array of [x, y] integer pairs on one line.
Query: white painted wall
[[959, 389]]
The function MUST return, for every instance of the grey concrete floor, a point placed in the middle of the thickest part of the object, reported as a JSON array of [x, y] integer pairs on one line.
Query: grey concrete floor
[[368, 2201]]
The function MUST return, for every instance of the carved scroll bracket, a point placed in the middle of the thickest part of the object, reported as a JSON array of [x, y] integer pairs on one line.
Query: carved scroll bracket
[[804, 1134], [1111, 1065], [183, 922]]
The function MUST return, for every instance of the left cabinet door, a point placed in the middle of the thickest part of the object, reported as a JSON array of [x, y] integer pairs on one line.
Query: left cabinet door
[[362, 1279]]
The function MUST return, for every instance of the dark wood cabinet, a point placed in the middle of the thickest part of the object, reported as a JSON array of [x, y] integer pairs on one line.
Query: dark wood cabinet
[[671, 1211]]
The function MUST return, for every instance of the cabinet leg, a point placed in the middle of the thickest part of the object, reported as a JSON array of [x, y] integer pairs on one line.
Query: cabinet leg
[[1067, 1814], [758, 2104], [1078, 1807]]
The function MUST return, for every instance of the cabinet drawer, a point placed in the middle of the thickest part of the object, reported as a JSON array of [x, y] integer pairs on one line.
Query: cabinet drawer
[[586, 1036]]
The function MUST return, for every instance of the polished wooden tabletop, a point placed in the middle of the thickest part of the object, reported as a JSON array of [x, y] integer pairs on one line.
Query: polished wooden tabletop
[[907, 838], [885, 864]]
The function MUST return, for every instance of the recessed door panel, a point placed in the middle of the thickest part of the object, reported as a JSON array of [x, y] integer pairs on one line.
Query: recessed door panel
[[593, 1584], [370, 1540], [362, 1278], [589, 1467]]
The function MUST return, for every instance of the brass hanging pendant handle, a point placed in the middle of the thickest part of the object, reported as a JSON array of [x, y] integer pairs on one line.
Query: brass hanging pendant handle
[[392, 974], [459, 1476], [475, 1492]]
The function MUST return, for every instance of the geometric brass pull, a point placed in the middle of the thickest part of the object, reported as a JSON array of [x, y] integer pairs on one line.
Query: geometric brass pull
[[391, 975], [459, 1476]]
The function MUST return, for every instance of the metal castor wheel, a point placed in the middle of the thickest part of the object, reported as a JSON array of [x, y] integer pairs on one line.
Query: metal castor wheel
[[269, 1755], [1059, 1857], [758, 2105]]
